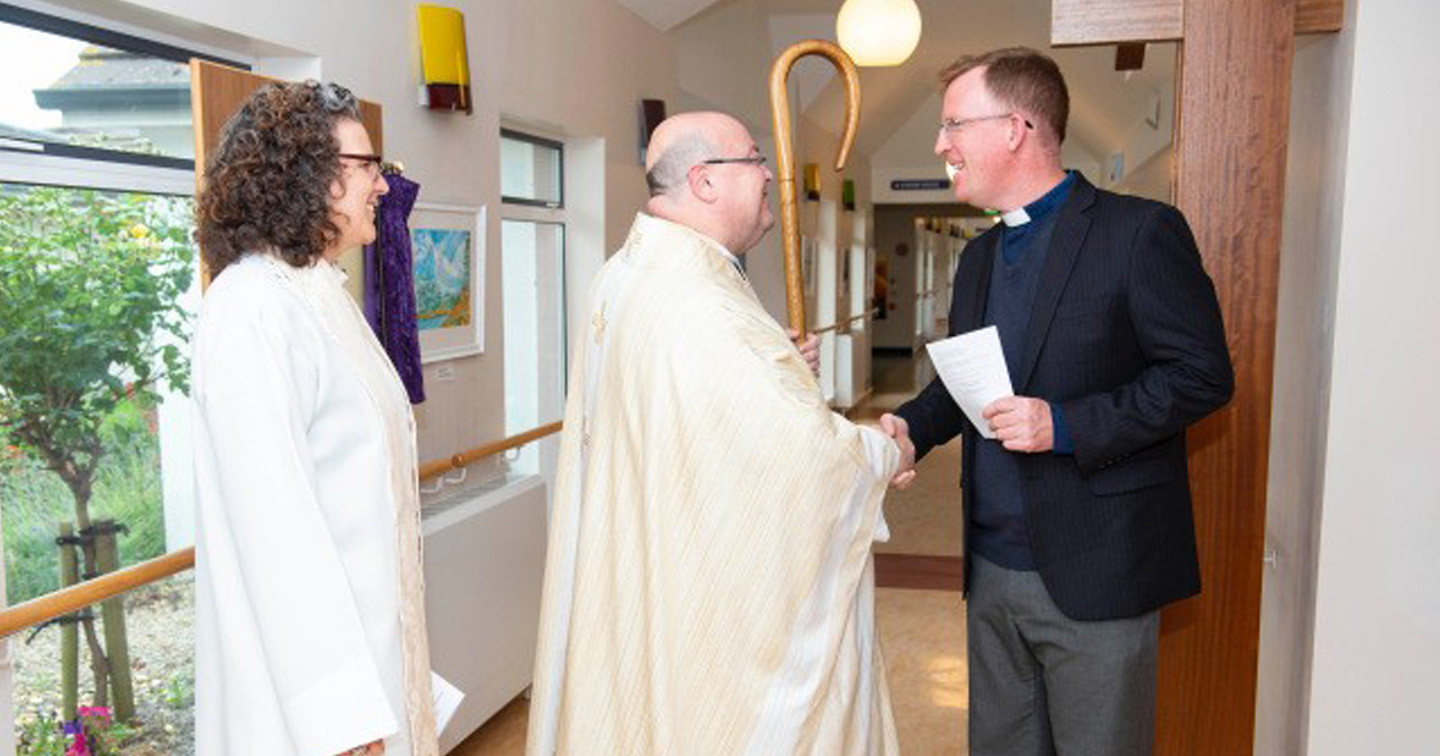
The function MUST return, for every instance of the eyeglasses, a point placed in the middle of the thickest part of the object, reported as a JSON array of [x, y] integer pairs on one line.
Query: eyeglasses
[[955, 125], [371, 163], [752, 160]]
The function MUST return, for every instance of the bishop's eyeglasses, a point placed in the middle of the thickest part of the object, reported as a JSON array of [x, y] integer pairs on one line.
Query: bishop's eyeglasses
[[756, 160]]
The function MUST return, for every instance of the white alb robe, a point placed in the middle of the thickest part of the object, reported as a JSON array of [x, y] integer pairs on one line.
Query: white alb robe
[[708, 586], [310, 634]]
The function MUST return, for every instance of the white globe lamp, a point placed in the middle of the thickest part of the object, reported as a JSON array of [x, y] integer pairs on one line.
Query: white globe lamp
[[878, 32]]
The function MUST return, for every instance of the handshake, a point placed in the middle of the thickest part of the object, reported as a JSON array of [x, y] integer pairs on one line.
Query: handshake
[[892, 425], [898, 430], [1020, 423]]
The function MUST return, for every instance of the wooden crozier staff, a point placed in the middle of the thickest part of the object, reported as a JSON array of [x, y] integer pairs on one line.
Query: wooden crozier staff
[[785, 159]]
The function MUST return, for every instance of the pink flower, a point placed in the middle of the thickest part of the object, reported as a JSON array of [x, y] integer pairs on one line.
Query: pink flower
[[99, 712]]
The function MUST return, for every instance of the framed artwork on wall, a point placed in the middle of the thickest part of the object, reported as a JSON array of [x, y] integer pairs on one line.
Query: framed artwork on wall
[[449, 261]]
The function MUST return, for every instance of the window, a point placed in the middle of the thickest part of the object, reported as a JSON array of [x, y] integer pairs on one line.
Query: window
[[96, 178], [531, 170], [532, 249], [75, 90]]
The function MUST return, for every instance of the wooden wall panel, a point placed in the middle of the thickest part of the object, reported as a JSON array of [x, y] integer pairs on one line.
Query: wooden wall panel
[[1099, 22], [1316, 16], [1230, 182], [1108, 22]]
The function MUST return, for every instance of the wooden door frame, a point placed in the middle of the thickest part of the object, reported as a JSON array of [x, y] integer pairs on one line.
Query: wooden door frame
[[1231, 131]]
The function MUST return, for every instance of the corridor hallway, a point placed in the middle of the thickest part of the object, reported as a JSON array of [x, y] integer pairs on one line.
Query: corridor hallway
[[922, 625]]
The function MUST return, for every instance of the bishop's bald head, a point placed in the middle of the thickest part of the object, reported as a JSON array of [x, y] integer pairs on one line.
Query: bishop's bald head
[[705, 171]]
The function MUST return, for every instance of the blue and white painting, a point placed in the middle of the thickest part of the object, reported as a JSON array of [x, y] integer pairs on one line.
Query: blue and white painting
[[442, 277]]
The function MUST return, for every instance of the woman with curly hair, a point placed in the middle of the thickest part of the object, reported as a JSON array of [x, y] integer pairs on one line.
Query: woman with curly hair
[[310, 624]]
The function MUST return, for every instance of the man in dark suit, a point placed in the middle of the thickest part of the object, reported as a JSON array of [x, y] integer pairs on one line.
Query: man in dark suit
[[1078, 522]]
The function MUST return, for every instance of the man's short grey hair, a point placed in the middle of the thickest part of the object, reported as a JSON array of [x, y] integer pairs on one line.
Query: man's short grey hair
[[670, 169]]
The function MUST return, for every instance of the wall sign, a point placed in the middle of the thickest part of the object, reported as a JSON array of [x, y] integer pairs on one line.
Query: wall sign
[[917, 185]]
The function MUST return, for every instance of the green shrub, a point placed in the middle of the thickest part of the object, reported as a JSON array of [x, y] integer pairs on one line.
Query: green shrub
[[40, 736], [179, 692], [90, 320], [127, 490]]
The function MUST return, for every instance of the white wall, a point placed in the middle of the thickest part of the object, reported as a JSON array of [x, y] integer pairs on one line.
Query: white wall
[[1304, 337], [1151, 179], [575, 67], [1376, 673], [1145, 151], [899, 158], [765, 264], [724, 58]]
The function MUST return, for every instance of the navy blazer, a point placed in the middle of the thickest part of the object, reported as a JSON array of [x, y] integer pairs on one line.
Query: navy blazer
[[1126, 337]]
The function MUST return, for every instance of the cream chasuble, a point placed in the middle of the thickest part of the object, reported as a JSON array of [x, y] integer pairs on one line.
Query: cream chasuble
[[708, 586], [310, 627]]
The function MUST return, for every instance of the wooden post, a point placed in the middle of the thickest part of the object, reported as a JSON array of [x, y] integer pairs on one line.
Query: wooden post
[[1232, 124], [69, 631], [112, 611], [1234, 116], [785, 160]]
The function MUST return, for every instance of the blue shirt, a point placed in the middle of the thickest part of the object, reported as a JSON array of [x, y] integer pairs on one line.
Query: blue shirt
[[997, 508]]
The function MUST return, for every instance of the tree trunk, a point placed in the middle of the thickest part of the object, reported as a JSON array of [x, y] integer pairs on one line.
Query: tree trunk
[[99, 665]]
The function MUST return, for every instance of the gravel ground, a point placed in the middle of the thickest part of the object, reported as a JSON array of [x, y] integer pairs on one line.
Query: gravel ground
[[160, 624]]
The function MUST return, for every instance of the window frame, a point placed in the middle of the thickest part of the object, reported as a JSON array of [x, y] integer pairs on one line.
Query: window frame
[[99, 35], [542, 212], [559, 147]]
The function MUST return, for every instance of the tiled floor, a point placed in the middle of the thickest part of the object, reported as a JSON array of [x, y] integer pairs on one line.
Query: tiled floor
[[923, 635], [922, 631]]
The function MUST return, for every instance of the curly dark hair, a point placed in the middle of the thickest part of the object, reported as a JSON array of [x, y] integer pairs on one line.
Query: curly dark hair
[[267, 184]]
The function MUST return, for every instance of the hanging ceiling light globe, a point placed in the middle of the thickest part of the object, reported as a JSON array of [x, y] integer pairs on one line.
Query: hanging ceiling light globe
[[878, 32]]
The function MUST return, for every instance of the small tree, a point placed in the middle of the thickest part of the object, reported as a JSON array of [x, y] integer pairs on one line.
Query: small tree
[[89, 288]]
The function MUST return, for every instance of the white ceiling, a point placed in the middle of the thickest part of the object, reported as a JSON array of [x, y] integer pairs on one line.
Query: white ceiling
[[666, 14], [1105, 104]]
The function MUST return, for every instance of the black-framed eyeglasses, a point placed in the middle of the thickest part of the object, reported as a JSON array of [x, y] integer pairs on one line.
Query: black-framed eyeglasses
[[752, 160], [373, 163], [952, 125]]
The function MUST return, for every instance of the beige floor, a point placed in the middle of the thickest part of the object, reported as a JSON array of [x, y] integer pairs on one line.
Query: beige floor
[[922, 632], [923, 636]]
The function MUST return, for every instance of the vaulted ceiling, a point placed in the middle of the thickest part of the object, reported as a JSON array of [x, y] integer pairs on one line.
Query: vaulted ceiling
[[666, 14], [1105, 104]]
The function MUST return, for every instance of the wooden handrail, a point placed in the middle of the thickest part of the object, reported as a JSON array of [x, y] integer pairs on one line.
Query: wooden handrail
[[81, 595], [437, 467], [843, 323], [76, 597]]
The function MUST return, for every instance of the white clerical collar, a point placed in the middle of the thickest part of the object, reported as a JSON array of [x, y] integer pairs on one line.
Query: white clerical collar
[[1016, 217]]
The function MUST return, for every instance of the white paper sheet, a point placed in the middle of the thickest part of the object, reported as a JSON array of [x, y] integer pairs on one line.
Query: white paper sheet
[[972, 367], [447, 700]]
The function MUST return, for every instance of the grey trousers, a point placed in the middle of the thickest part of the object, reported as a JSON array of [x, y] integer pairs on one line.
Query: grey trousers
[[1042, 684]]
